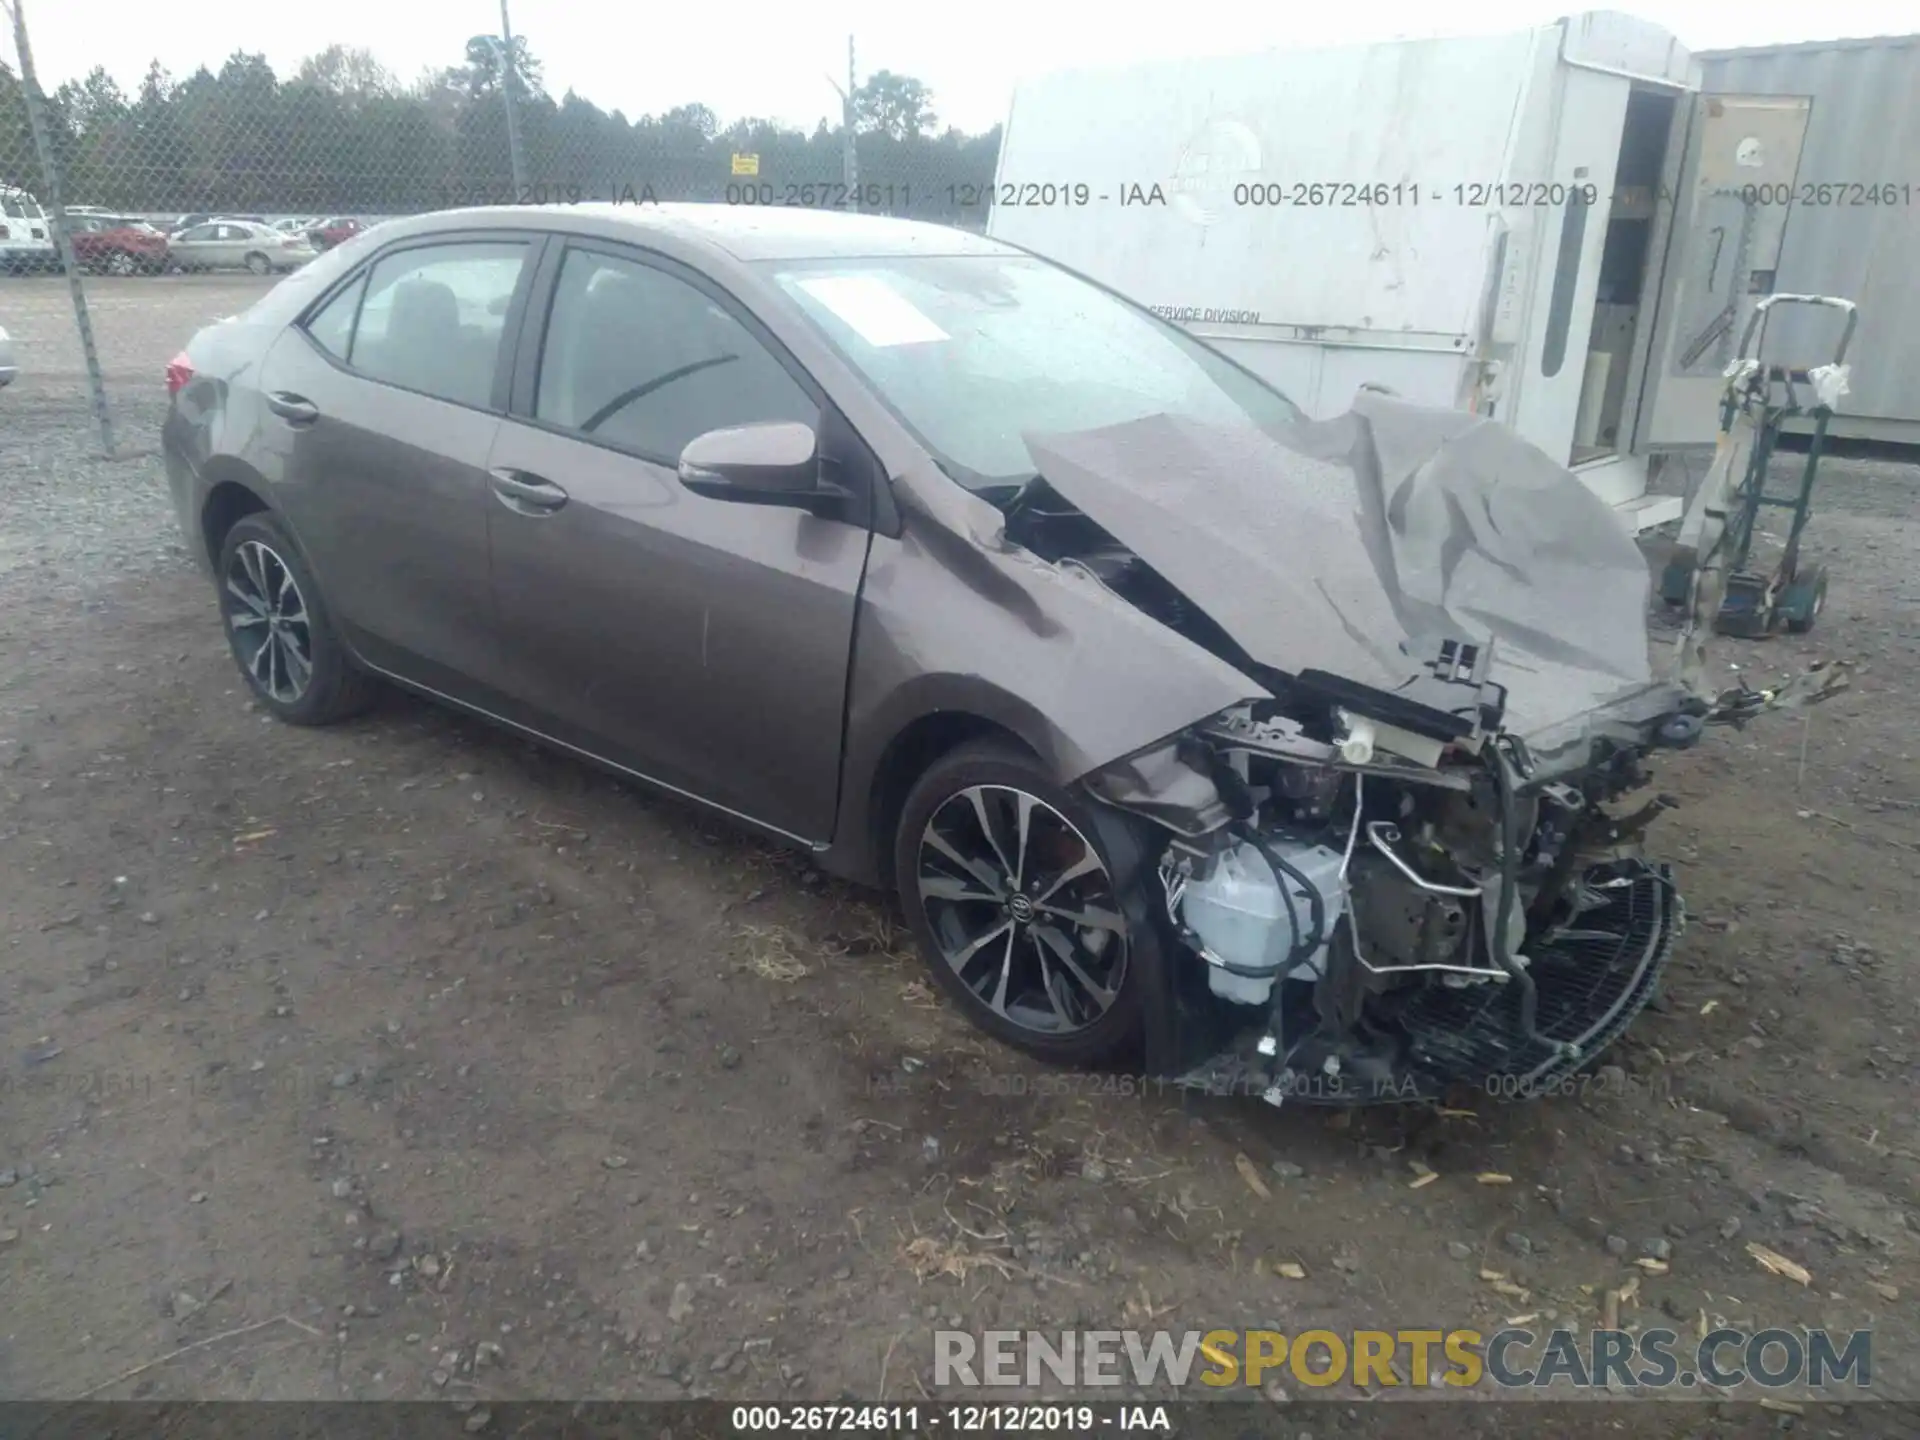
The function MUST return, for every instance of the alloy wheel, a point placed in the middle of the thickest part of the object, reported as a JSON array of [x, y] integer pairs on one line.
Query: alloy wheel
[[120, 263], [1022, 909], [267, 617]]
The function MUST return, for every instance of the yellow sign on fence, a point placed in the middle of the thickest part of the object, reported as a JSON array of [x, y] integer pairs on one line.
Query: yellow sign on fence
[[746, 164]]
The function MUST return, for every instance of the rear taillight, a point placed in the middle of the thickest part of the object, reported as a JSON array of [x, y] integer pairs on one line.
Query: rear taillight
[[5, 234], [179, 372]]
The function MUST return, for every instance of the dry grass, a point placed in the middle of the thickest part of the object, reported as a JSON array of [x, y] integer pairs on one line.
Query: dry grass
[[931, 1258], [887, 935], [773, 952]]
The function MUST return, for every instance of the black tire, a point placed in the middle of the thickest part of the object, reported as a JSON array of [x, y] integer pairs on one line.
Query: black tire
[[258, 263], [942, 924], [1811, 600], [333, 688], [1676, 583]]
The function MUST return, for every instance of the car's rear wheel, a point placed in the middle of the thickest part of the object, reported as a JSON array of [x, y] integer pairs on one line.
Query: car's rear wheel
[[259, 264], [279, 630], [1016, 890], [121, 263]]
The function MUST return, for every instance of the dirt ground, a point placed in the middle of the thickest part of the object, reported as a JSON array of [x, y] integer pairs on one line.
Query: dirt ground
[[461, 1070]]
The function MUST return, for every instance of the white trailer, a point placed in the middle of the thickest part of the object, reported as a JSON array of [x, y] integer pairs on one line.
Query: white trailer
[[1551, 227], [1856, 225]]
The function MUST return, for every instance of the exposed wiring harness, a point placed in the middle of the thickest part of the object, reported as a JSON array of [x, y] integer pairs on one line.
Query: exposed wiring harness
[[1308, 943], [1503, 768]]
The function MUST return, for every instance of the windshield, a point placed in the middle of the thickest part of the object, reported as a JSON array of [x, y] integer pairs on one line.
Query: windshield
[[20, 206], [973, 352]]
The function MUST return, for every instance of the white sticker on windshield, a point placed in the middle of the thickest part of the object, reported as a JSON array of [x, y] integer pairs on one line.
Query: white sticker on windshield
[[879, 314]]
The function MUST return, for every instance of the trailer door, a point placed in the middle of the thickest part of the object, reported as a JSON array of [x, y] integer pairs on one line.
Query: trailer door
[[1731, 193]]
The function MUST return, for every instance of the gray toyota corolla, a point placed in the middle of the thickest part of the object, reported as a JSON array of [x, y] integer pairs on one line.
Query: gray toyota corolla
[[1268, 753]]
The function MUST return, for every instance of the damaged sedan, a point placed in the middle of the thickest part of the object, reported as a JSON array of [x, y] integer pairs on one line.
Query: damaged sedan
[[1303, 757]]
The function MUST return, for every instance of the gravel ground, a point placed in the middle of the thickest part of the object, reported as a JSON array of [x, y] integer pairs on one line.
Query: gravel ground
[[456, 1069]]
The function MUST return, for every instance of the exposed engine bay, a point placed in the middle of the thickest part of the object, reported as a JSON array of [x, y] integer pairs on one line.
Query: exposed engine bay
[[1368, 932], [1376, 895]]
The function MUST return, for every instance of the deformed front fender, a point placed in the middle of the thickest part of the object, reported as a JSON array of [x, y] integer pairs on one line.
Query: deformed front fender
[[955, 619]]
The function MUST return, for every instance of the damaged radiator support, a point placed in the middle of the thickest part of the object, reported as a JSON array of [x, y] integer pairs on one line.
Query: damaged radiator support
[[1368, 928]]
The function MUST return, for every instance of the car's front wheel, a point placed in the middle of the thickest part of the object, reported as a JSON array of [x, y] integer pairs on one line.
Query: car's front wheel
[[279, 630], [1018, 892]]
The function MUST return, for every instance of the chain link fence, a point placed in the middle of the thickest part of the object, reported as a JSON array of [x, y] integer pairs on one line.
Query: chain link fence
[[99, 181]]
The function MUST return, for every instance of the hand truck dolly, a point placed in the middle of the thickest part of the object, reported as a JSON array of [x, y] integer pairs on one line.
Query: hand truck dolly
[[1718, 533]]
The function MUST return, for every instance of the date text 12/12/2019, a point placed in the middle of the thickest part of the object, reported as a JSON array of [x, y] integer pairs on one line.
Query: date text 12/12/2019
[[571, 192], [962, 1419], [887, 197], [1259, 194]]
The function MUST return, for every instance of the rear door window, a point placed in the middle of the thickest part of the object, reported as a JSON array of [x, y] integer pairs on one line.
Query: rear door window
[[434, 318], [332, 325]]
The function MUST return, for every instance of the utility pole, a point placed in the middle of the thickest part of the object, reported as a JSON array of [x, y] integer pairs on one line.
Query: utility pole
[[849, 152], [57, 220], [509, 78]]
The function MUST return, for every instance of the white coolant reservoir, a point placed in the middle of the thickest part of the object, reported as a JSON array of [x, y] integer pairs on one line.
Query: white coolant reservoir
[[1240, 916]]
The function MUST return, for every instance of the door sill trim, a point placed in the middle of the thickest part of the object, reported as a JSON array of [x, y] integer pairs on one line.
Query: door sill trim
[[816, 847]]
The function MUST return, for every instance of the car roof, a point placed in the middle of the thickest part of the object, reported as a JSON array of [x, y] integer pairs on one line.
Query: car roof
[[741, 232]]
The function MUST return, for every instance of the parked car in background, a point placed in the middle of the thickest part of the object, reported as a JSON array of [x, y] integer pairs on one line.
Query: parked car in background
[[187, 222], [117, 244], [329, 233], [9, 367], [26, 237], [296, 224], [239, 244], [1172, 716]]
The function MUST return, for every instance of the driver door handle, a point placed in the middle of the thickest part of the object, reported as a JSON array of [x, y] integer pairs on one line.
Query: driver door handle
[[526, 493], [294, 409]]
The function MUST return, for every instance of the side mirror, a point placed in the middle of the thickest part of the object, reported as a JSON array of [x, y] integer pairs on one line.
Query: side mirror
[[777, 463]]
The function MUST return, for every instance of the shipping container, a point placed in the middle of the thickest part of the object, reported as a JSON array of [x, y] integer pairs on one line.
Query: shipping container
[[1550, 227], [1855, 229]]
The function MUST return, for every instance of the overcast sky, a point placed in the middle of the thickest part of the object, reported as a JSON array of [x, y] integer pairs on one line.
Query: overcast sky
[[754, 58]]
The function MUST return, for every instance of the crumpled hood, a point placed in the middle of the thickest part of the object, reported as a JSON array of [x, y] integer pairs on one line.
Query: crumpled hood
[[1345, 545]]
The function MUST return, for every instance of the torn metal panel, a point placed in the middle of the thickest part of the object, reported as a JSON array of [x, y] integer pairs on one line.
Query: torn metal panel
[[1163, 786]]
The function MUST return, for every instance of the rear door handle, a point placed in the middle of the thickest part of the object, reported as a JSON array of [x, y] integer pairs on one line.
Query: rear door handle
[[526, 493], [294, 409]]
